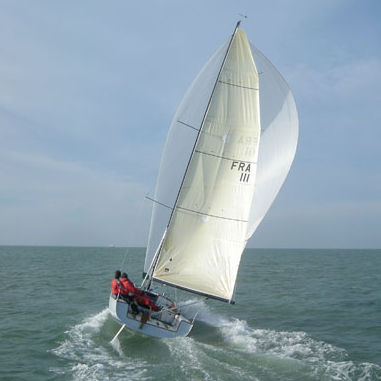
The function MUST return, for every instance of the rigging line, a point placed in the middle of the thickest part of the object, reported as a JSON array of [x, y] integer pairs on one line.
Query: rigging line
[[158, 202], [133, 230], [210, 215], [226, 158], [125, 258], [188, 125], [195, 211], [153, 264], [233, 84], [199, 131]]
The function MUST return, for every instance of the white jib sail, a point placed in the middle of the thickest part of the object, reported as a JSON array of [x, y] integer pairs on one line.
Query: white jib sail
[[279, 137], [208, 229]]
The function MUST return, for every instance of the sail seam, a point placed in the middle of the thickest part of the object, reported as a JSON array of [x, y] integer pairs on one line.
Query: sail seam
[[210, 215], [226, 158], [234, 84], [188, 125]]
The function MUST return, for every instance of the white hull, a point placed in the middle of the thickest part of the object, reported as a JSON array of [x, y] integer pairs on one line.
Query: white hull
[[161, 324]]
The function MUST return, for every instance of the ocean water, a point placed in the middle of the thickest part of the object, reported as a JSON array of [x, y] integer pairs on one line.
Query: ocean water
[[299, 315]]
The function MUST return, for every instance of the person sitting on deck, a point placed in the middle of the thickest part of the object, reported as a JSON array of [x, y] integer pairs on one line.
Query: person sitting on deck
[[129, 288], [144, 301], [115, 284]]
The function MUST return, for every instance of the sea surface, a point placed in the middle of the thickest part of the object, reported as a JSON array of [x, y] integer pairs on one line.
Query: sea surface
[[299, 315]]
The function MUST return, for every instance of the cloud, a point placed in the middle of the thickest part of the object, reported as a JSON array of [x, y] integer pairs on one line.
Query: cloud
[[321, 225], [349, 82], [46, 201]]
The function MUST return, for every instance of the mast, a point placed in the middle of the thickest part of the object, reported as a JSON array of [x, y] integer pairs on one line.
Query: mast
[[193, 150]]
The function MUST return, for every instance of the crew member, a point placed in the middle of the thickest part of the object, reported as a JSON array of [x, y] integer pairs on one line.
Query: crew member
[[145, 301], [115, 284], [128, 287]]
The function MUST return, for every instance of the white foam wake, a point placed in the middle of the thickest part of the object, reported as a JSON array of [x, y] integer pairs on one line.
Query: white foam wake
[[311, 357], [322, 359], [204, 314], [232, 350], [89, 358]]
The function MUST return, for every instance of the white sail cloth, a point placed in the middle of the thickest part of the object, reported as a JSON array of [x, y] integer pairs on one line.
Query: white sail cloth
[[279, 138], [178, 148], [207, 233], [215, 213]]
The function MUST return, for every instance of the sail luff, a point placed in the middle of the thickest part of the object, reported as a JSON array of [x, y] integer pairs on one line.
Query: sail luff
[[195, 143]]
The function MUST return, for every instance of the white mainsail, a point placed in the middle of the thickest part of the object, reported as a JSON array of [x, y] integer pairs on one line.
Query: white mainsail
[[210, 219]]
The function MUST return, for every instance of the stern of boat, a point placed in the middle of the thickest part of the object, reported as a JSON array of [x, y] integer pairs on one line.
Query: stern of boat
[[163, 324]]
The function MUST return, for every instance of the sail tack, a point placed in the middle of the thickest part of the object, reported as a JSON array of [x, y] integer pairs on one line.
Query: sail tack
[[207, 232]]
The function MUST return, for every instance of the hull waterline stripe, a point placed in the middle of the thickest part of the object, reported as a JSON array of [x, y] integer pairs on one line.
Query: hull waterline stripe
[[225, 158]]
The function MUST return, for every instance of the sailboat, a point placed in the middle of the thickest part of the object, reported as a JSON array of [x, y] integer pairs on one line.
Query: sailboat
[[228, 152]]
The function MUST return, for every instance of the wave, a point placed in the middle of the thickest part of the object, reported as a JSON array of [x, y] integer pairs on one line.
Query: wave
[[90, 356], [219, 348], [318, 359], [280, 354]]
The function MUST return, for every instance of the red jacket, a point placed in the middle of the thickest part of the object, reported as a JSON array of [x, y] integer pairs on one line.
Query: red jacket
[[145, 301], [129, 287], [115, 287]]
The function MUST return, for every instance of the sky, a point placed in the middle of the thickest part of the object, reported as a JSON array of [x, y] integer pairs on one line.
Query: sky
[[88, 90]]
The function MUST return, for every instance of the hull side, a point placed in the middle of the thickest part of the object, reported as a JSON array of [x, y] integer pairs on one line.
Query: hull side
[[158, 325]]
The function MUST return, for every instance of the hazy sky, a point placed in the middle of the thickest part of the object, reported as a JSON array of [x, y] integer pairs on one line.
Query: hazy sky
[[88, 90]]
